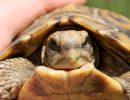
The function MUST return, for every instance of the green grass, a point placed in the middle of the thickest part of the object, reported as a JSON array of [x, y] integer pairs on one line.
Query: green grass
[[120, 6]]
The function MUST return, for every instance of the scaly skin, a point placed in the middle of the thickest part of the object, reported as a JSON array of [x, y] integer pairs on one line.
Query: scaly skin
[[13, 74], [124, 80]]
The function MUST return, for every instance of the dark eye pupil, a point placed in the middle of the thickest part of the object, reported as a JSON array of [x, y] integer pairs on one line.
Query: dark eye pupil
[[53, 45], [85, 42]]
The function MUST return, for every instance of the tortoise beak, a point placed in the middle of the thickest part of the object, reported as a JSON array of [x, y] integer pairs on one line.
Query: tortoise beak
[[73, 55]]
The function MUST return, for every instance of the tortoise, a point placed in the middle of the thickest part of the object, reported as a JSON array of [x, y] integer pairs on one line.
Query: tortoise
[[71, 53]]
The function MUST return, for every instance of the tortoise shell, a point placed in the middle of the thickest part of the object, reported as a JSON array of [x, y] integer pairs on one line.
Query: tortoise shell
[[109, 28]]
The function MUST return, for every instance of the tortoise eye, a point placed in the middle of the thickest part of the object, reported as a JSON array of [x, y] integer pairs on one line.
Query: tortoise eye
[[53, 45], [85, 42]]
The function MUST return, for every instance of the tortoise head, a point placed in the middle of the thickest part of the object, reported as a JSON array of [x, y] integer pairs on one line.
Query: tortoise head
[[68, 49]]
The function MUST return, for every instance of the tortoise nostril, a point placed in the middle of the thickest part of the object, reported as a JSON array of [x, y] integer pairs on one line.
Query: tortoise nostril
[[77, 46], [66, 48]]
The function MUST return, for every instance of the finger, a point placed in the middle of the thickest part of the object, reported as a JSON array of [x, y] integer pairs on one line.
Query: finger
[[59, 3], [16, 15]]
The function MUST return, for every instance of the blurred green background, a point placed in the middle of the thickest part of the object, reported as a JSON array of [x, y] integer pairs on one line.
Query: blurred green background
[[120, 6]]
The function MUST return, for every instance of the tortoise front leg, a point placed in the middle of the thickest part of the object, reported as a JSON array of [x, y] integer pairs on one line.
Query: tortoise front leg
[[116, 67], [13, 74], [124, 80]]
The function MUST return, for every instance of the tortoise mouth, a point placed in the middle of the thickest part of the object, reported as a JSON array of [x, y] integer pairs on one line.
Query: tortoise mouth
[[67, 64]]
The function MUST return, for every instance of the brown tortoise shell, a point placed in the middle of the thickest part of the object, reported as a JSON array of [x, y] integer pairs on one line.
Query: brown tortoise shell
[[110, 29]]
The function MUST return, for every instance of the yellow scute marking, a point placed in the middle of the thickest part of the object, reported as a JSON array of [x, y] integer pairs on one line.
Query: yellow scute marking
[[25, 37], [124, 40]]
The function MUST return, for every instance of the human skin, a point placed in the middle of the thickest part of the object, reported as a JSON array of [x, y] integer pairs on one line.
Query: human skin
[[16, 15]]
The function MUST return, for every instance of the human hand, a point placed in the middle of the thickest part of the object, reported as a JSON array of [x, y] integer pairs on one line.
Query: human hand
[[16, 15]]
